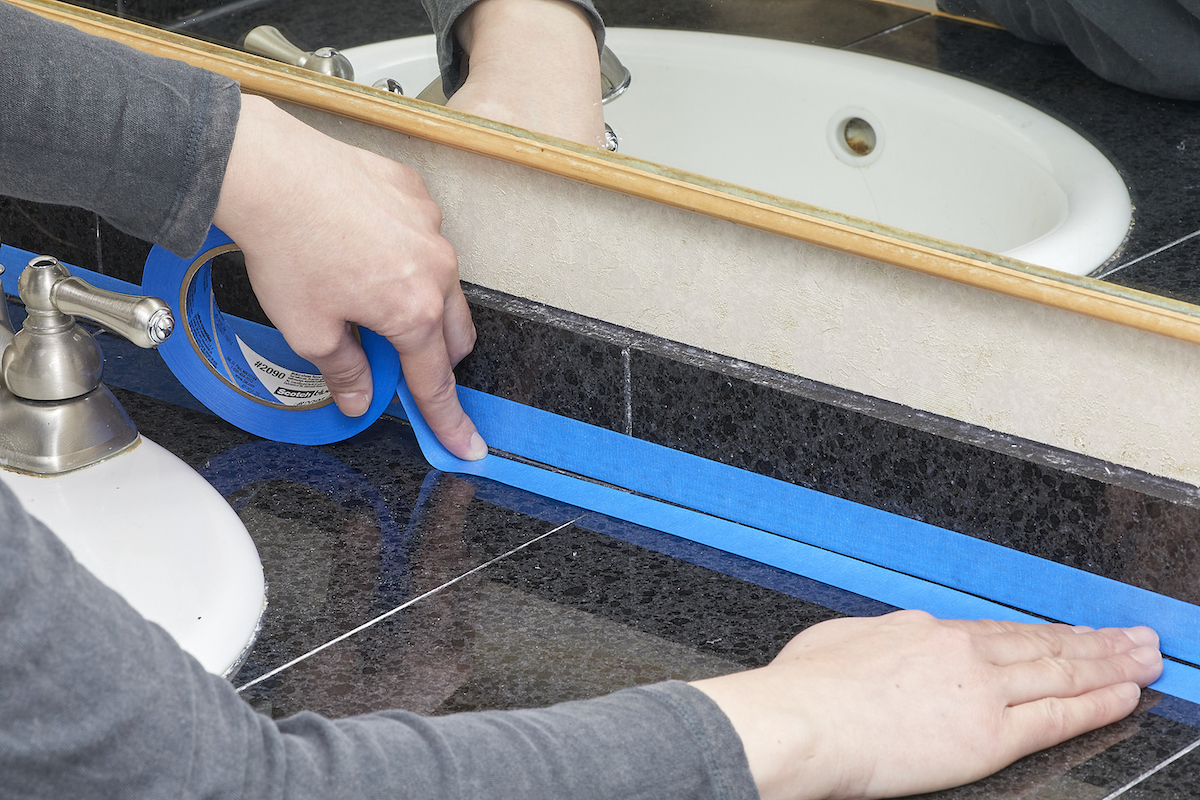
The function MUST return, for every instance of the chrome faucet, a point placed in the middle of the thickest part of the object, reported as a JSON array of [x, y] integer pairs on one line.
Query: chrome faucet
[[614, 76], [55, 414]]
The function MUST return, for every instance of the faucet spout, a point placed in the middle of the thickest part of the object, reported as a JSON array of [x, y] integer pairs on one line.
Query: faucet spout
[[614, 76]]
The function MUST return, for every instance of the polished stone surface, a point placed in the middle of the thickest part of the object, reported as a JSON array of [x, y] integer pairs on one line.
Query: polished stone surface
[[1094, 517], [496, 599], [393, 585]]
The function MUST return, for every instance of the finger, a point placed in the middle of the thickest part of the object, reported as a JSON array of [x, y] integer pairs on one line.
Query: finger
[[1068, 677], [430, 379], [346, 371], [458, 327], [1034, 726], [1005, 643]]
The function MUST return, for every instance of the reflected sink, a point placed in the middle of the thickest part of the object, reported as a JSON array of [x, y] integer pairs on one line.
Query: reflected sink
[[859, 135]]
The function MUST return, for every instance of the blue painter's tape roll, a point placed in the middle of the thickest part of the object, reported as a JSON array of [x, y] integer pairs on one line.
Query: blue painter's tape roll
[[245, 372]]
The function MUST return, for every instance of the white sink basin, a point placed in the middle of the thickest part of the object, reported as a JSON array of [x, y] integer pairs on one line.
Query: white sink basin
[[951, 160], [148, 526]]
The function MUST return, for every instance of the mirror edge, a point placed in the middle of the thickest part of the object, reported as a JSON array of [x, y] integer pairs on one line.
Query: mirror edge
[[1081, 295]]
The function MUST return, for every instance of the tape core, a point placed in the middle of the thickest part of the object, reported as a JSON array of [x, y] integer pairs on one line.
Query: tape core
[[244, 370]]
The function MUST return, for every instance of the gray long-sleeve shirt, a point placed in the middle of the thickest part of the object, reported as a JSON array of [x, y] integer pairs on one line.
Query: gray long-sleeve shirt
[[1152, 46], [88, 122], [96, 702]]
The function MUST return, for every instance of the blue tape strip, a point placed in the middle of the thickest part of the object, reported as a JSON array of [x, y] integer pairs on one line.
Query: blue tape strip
[[834, 541], [915, 548], [15, 260]]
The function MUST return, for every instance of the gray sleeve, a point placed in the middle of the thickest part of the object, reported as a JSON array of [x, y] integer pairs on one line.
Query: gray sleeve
[[140, 140], [96, 702], [444, 13], [1152, 46]]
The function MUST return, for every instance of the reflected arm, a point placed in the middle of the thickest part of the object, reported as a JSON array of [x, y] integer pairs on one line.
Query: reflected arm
[[444, 14], [529, 63], [1152, 46]]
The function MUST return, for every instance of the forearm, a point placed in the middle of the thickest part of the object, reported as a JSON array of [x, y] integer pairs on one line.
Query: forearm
[[87, 122], [444, 14], [96, 702]]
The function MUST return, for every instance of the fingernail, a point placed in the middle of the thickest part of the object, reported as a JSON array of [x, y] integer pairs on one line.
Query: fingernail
[[1129, 692], [1146, 655], [353, 404], [1142, 636], [478, 448]]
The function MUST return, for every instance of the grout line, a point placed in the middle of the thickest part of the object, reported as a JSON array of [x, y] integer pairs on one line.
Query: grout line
[[402, 606], [207, 15], [937, 12], [1120, 267], [892, 29], [100, 266], [1146, 775], [627, 376]]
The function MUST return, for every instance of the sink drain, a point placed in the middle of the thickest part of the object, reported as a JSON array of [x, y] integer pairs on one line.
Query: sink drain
[[859, 136], [855, 137]]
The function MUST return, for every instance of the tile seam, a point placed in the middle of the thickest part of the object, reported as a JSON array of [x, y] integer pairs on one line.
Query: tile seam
[[1143, 257], [1144, 776], [402, 606], [885, 32]]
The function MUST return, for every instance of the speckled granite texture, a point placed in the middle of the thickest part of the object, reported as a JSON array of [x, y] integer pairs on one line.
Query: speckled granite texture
[[529, 601], [487, 597]]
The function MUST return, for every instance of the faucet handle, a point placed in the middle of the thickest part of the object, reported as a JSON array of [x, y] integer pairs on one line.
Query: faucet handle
[[267, 40], [145, 321], [51, 358], [614, 77], [51, 293]]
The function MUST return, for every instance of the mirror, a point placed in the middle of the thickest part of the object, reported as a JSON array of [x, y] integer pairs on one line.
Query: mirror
[[1152, 142]]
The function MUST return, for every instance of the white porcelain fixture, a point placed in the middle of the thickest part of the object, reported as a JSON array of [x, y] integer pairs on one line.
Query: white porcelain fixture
[[950, 159], [148, 526]]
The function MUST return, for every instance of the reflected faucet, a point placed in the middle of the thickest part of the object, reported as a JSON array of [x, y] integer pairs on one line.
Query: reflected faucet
[[267, 40], [614, 76]]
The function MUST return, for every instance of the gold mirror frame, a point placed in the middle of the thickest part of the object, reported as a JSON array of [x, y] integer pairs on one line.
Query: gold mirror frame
[[1082, 295]]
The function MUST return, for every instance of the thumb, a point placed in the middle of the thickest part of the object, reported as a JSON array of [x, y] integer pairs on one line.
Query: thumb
[[347, 373]]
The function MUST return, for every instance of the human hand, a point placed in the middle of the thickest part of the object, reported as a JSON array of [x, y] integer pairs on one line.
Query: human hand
[[905, 703], [533, 64], [334, 235]]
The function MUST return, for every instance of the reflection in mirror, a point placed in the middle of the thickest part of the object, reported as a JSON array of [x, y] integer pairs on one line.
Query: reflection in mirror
[[1151, 141]]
